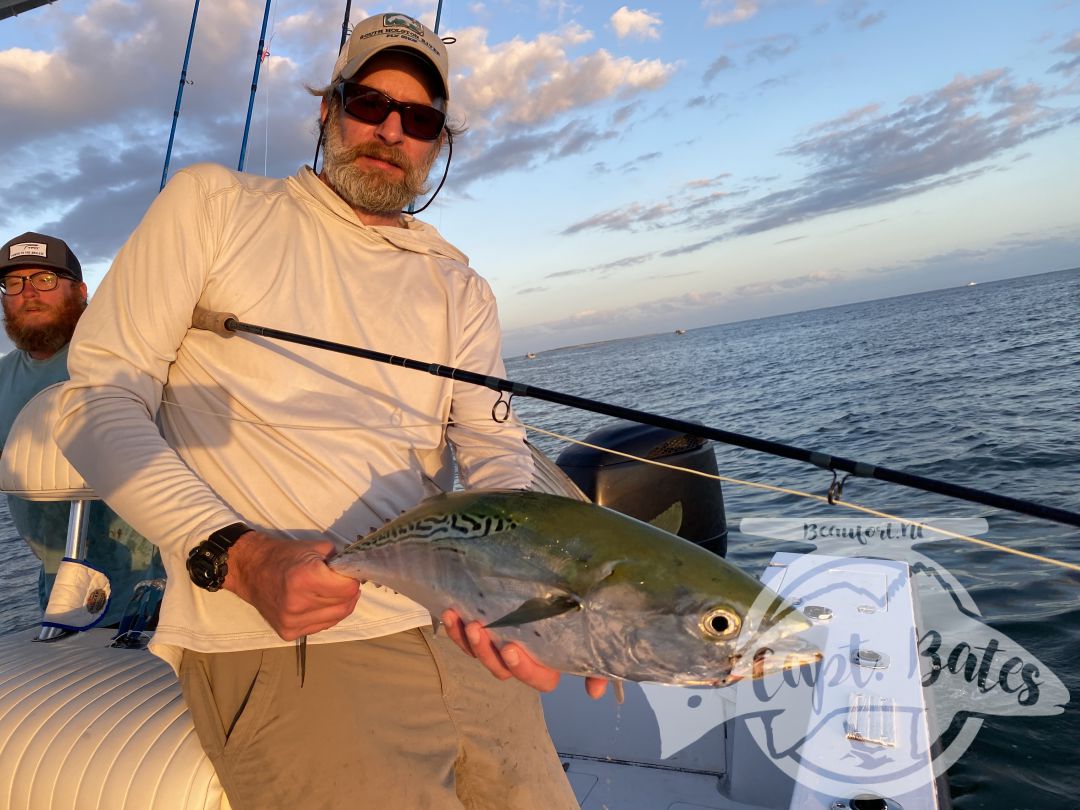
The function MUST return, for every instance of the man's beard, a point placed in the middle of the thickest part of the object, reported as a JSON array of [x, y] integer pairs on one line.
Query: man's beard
[[371, 190], [49, 338]]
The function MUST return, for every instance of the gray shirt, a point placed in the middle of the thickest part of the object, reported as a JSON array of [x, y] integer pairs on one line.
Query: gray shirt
[[124, 555], [21, 376]]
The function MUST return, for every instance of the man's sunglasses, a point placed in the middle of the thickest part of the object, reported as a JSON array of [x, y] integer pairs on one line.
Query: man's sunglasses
[[43, 281], [373, 107]]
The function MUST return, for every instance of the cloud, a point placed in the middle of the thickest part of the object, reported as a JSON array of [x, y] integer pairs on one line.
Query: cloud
[[1055, 249], [693, 198], [639, 24], [871, 20], [530, 148], [851, 11], [693, 247], [515, 94], [774, 82], [716, 67], [563, 9], [635, 164], [708, 182], [705, 101], [816, 278], [941, 138], [519, 82], [87, 116], [1070, 49], [774, 48], [848, 118], [726, 12], [630, 319], [621, 219], [570, 328], [618, 264], [869, 156], [104, 185]]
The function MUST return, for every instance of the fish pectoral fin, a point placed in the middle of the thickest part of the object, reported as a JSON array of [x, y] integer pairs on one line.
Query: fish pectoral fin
[[542, 607]]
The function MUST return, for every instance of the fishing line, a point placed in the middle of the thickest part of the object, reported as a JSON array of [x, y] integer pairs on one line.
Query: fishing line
[[266, 95], [226, 324], [811, 496], [630, 456]]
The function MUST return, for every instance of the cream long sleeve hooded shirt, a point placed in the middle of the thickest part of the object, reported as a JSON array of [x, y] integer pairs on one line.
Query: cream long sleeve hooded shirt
[[289, 439]]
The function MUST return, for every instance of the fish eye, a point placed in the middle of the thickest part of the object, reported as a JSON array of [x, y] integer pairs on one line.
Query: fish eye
[[720, 623]]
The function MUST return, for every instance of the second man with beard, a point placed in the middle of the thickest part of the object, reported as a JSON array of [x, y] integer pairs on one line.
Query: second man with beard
[[44, 296]]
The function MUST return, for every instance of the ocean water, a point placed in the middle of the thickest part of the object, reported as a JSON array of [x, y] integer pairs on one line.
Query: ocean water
[[976, 385]]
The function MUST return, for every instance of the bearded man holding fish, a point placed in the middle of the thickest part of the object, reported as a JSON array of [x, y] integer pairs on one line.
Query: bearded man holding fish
[[271, 458], [283, 477]]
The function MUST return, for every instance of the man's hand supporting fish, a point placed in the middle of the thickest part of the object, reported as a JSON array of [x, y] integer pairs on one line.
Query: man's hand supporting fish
[[510, 661], [290, 584]]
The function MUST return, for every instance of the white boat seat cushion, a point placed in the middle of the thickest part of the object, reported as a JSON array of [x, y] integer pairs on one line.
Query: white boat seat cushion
[[32, 465]]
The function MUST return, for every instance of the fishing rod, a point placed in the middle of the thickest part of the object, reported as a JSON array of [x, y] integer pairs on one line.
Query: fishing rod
[[179, 94], [226, 324], [254, 84]]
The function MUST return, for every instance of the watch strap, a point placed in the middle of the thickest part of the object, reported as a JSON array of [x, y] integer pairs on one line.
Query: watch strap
[[225, 538], [207, 563]]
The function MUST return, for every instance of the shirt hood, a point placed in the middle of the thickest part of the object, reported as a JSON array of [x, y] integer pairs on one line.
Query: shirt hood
[[416, 236]]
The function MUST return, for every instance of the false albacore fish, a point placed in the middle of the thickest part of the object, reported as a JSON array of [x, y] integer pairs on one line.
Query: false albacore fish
[[584, 589]]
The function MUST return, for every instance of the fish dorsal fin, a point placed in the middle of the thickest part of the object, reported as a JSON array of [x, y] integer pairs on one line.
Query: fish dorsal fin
[[542, 607], [670, 520], [430, 487], [548, 477]]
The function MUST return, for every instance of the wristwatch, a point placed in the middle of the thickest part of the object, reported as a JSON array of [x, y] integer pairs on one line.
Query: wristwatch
[[207, 563]]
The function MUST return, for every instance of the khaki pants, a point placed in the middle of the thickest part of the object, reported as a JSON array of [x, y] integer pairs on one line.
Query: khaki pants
[[402, 722]]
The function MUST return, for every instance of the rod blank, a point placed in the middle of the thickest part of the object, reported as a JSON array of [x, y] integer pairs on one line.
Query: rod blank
[[225, 324]]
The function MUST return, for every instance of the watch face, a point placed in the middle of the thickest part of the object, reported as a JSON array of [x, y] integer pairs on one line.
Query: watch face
[[207, 569]]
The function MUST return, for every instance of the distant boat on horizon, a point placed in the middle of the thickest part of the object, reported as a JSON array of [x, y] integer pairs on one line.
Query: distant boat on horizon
[[971, 284], [530, 356], [680, 331]]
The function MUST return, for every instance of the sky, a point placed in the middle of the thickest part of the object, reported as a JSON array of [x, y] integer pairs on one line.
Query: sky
[[627, 169]]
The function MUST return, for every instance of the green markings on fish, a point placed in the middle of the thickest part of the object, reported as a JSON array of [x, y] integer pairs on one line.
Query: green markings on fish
[[584, 589]]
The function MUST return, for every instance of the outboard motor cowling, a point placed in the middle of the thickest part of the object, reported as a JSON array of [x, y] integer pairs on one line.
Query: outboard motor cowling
[[645, 491]]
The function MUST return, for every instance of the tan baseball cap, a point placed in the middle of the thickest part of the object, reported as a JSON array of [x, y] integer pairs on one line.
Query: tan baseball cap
[[392, 31]]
